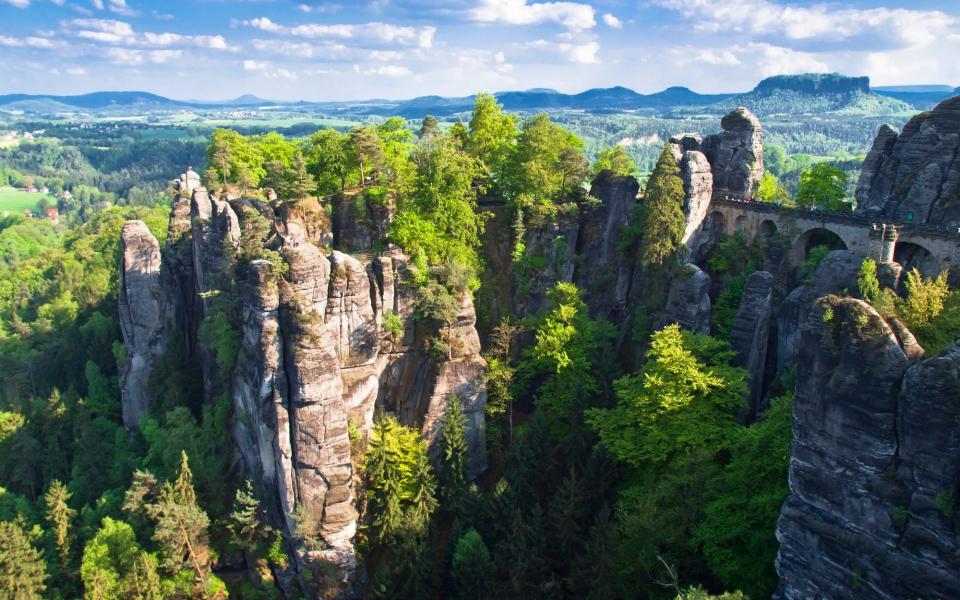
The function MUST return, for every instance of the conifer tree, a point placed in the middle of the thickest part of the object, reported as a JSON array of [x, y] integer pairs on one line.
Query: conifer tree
[[663, 220], [300, 178], [472, 568], [453, 463], [180, 525], [429, 128], [424, 499], [245, 519], [59, 515], [22, 570]]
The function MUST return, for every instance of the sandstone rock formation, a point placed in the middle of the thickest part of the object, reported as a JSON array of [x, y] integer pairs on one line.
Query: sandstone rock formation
[[688, 302], [749, 334], [142, 307], [698, 190], [915, 176], [836, 274], [875, 465], [314, 357], [736, 154]]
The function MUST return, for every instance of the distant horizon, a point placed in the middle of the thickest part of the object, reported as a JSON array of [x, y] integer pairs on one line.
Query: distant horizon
[[338, 51]]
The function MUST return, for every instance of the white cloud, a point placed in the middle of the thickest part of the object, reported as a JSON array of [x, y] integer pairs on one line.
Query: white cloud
[[27, 42], [110, 31], [126, 56], [717, 57], [818, 23], [572, 15], [120, 7], [216, 42], [383, 71], [612, 21], [97, 4], [18, 3], [576, 52], [103, 30], [268, 70], [76, 71], [384, 33]]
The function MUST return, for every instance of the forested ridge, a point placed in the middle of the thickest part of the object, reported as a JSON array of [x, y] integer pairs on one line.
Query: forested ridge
[[609, 476]]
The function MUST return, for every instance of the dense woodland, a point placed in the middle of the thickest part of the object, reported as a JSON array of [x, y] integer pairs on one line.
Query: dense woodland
[[605, 481]]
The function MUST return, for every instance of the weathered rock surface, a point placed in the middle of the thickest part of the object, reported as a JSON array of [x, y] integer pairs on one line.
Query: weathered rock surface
[[603, 273], [915, 175], [697, 191], [688, 302], [749, 334], [142, 308], [314, 355], [736, 154], [836, 274], [874, 460]]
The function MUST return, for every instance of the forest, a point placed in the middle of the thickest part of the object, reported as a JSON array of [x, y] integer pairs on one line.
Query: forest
[[607, 478]]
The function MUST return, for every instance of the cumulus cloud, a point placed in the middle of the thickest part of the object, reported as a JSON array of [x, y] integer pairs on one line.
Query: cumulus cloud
[[612, 21], [120, 7], [384, 33], [268, 70], [127, 56], [383, 70], [18, 3], [26, 42], [818, 26], [584, 52], [110, 31], [572, 15]]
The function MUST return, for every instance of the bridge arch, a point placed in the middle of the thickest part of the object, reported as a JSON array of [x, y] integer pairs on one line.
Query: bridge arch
[[811, 238], [768, 228], [911, 254], [741, 223]]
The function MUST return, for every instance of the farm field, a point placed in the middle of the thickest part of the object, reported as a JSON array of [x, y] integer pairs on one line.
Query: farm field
[[14, 200]]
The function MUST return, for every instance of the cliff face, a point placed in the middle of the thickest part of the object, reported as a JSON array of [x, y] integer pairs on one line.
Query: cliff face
[[915, 175], [875, 464], [314, 357]]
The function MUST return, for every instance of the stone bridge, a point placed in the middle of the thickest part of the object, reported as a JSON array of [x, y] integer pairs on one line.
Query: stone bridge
[[931, 248]]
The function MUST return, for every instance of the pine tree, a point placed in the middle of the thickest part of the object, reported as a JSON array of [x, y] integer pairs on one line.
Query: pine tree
[[245, 519], [429, 128], [472, 568], [59, 515], [301, 179], [22, 570], [663, 219], [867, 281], [423, 500], [453, 464], [366, 147], [143, 581], [181, 525], [562, 520]]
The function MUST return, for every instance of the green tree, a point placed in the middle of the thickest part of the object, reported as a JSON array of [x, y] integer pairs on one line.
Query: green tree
[[365, 143], [301, 181], [59, 516], [22, 570], [429, 128], [685, 396], [822, 185], [472, 568], [330, 160], [771, 190], [867, 281], [453, 474], [109, 559], [536, 167], [663, 221], [236, 157], [737, 532], [491, 135], [567, 358], [615, 159], [775, 160]]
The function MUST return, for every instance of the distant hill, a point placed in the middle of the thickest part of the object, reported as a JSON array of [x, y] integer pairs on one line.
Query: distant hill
[[814, 93], [914, 88], [96, 100]]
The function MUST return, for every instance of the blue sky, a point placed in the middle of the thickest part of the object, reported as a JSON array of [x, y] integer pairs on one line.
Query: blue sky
[[338, 49]]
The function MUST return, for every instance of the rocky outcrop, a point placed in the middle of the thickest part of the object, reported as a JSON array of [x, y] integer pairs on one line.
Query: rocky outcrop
[[735, 155], [603, 273], [836, 274], [915, 176], [688, 302], [142, 306], [749, 334], [874, 467], [360, 220], [697, 191], [315, 357]]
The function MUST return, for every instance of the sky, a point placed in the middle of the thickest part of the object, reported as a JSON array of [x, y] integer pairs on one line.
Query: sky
[[341, 50]]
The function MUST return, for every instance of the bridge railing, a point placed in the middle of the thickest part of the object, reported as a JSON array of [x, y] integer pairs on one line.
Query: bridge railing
[[846, 218]]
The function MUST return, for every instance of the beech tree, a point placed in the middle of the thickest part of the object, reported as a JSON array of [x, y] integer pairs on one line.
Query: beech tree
[[330, 160], [615, 159]]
